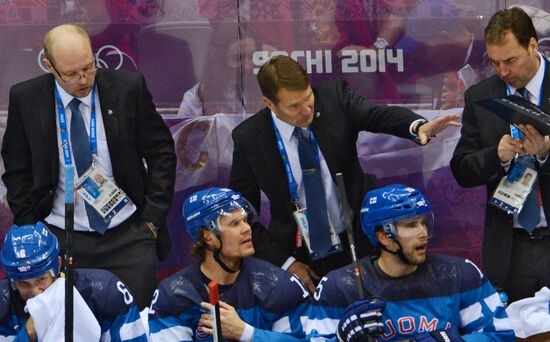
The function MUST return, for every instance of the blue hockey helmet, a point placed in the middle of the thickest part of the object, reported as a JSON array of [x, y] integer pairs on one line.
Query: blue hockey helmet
[[203, 208], [29, 251], [390, 204]]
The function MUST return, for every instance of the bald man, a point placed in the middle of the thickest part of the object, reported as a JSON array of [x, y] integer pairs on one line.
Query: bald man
[[77, 114]]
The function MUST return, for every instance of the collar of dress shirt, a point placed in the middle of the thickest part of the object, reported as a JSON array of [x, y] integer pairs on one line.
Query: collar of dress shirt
[[66, 97], [535, 84], [285, 129]]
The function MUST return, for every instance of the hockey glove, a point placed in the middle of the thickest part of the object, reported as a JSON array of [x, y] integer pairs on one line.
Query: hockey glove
[[362, 321]]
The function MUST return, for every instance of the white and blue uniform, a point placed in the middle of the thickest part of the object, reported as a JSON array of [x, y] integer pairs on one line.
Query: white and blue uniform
[[106, 296], [445, 292], [274, 302]]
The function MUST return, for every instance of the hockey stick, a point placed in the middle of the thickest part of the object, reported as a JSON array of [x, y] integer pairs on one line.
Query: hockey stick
[[68, 258], [214, 300], [349, 230]]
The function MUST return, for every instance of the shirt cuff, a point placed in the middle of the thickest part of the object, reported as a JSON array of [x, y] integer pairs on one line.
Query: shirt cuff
[[287, 263], [248, 333], [506, 165], [413, 124]]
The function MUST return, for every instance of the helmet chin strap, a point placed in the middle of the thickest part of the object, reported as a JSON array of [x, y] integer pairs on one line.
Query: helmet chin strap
[[218, 259], [398, 252]]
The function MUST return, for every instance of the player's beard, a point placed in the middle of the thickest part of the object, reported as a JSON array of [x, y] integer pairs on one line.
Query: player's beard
[[414, 256]]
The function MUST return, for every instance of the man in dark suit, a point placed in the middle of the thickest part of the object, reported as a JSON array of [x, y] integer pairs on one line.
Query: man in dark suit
[[132, 147], [515, 252], [267, 158]]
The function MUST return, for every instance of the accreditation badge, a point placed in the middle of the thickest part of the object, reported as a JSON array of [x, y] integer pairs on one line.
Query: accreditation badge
[[300, 216], [512, 191], [101, 193]]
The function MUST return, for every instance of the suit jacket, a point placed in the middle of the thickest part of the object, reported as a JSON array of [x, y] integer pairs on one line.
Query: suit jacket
[[475, 162], [135, 133], [340, 114]]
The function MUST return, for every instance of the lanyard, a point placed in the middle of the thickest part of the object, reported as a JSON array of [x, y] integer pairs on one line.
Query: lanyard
[[69, 167], [65, 134], [290, 178], [515, 132]]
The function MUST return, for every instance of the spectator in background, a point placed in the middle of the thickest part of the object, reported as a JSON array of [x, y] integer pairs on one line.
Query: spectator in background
[[227, 84]]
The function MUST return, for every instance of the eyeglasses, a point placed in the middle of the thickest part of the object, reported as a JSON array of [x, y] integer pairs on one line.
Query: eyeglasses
[[86, 72]]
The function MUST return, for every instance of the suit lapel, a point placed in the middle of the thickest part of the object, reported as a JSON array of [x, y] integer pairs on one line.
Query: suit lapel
[[270, 152], [322, 131], [501, 127], [47, 118], [109, 112], [545, 99]]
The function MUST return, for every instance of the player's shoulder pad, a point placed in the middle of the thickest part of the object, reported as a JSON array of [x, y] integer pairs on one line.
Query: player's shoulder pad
[[274, 287], [338, 287], [180, 292], [106, 295]]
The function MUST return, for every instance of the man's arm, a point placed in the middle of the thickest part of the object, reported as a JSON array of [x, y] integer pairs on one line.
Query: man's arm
[[122, 321], [172, 317], [17, 162], [282, 313], [488, 321], [156, 146], [394, 120]]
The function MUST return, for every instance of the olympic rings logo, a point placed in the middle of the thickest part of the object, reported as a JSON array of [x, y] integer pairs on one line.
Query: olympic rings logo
[[100, 57]]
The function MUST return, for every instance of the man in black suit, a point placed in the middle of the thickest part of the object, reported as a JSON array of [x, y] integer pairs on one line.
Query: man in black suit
[[515, 254], [132, 147], [332, 115]]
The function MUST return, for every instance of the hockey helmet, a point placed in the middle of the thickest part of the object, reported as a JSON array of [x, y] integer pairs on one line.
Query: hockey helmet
[[29, 251], [390, 204], [203, 208]]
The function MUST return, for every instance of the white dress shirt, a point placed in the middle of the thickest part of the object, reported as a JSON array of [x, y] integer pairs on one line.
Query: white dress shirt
[[103, 161], [534, 87]]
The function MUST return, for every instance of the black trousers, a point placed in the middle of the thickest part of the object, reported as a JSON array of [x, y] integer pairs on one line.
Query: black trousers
[[529, 268], [127, 250]]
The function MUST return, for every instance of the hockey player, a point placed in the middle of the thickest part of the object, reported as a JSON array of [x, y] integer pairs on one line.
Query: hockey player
[[429, 297], [103, 306], [257, 300]]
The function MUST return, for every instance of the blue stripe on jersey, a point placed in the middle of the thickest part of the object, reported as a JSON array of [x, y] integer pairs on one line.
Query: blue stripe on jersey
[[126, 327], [188, 319]]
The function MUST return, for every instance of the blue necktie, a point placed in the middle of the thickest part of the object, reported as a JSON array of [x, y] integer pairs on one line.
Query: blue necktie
[[80, 143], [319, 228], [529, 216]]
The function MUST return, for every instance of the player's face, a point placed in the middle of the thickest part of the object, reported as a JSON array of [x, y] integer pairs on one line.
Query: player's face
[[514, 63], [236, 235], [413, 235], [32, 287], [74, 69], [295, 107]]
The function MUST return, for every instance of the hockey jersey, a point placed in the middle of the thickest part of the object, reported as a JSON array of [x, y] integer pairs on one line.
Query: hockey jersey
[[445, 292], [107, 297], [266, 297]]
